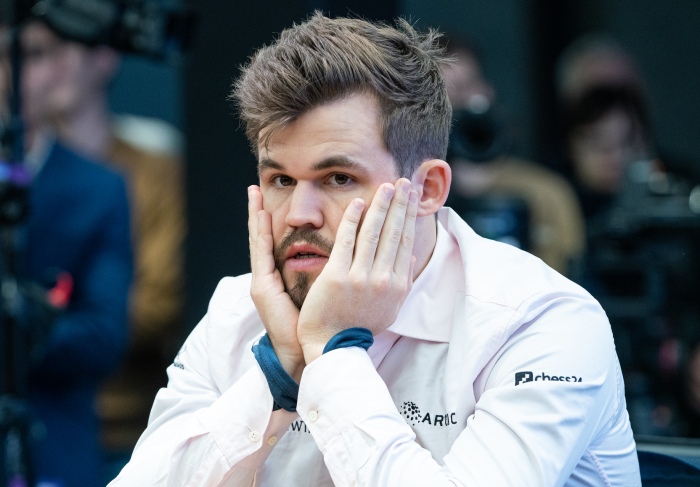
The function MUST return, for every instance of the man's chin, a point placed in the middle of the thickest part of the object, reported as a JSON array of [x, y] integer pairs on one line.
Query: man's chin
[[298, 285]]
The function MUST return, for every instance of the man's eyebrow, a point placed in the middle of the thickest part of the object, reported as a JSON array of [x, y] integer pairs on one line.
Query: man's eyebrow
[[339, 162], [269, 164], [332, 162]]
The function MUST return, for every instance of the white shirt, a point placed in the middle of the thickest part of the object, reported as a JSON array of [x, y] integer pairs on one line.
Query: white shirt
[[497, 371]]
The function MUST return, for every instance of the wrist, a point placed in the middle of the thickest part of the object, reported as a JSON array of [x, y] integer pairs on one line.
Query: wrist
[[293, 365], [312, 351]]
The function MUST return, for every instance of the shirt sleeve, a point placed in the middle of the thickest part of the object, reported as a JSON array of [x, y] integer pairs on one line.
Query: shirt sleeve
[[199, 436], [527, 434]]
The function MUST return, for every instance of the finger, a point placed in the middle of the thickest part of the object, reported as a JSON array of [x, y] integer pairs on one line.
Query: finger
[[371, 228], [404, 254], [344, 246], [393, 229], [254, 206], [264, 259]]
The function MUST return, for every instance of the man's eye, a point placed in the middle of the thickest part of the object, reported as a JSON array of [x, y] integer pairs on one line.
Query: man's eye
[[281, 181], [339, 180]]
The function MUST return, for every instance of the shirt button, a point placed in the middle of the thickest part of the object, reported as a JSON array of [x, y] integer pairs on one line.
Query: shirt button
[[272, 440], [313, 416], [254, 436]]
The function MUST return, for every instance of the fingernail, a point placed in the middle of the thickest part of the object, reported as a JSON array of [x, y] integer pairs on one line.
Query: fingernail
[[388, 190], [358, 204], [413, 196]]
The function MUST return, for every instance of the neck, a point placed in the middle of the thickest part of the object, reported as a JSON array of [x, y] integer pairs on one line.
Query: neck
[[424, 244]]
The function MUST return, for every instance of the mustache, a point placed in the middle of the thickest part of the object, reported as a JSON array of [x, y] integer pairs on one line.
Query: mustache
[[308, 235]]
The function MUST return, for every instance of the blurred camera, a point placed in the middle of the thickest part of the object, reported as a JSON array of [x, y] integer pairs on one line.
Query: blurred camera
[[478, 135], [133, 26]]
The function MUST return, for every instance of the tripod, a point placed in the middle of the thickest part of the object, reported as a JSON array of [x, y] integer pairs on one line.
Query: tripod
[[15, 457]]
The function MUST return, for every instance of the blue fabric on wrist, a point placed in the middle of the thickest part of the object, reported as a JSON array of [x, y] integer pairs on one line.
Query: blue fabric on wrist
[[283, 387], [352, 337]]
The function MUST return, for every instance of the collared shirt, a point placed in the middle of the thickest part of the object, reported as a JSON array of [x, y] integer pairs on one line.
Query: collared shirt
[[497, 371]]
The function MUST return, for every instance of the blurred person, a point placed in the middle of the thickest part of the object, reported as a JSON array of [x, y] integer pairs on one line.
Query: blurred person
[[66, 86], [607, 129], [554, 221], [77, 238], [378, 340], [595, 60]]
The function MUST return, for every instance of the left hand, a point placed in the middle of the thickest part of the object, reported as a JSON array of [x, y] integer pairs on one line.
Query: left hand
[[368, 274]]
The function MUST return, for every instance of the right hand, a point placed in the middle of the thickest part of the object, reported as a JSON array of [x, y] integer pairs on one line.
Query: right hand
[[276, 309]]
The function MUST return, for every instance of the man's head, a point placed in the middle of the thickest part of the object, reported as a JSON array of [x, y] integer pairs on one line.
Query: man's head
[[323, 60], [59, 77], [333, 109], [607, 128], [595, 60]]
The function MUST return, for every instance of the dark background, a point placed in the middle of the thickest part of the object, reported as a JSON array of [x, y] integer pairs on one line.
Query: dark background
[[520, 40]]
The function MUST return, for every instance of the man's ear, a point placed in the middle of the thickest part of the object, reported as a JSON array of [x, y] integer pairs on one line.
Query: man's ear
[[432, 179]]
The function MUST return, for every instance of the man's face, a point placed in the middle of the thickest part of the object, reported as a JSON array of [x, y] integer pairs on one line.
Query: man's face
[[56, 75], [310, 171], [602, 151]]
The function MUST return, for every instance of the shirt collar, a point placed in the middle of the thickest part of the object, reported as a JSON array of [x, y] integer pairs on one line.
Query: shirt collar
[[427, 312]]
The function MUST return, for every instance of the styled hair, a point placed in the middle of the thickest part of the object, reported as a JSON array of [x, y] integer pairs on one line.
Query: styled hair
[[323, 60]]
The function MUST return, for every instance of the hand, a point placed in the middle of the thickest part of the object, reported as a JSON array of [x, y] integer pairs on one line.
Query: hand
[[368, 274], [275, 307]]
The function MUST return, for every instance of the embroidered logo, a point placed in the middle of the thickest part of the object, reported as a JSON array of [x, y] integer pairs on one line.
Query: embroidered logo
[[527, 376], [412, 413], [177, 363], [522, 377]]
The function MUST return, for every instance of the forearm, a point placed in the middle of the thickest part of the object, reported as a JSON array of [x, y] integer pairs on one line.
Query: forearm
[[200, 439], [355, 424]]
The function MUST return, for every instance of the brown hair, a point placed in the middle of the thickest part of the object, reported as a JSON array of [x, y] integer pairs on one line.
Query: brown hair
[[324, 59]]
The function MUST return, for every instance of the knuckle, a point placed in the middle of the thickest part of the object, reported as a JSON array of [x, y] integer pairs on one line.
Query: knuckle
[[395, 234], [372, 237], [346, 241], [382, 282]]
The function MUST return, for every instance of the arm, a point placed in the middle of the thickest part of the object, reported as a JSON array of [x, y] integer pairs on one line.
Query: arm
[[86, 341], [529, 434], [200, 435]]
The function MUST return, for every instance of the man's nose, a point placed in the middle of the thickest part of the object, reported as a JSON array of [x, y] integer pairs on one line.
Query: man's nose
[[305, 206]]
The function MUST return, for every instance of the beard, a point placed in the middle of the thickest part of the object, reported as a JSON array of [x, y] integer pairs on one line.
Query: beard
[[298, 285]]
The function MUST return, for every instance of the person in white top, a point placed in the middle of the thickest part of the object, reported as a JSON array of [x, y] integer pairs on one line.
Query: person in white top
[[487, 367]]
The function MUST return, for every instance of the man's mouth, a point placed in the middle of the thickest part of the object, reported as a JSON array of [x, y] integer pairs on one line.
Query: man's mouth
[[305, 255]]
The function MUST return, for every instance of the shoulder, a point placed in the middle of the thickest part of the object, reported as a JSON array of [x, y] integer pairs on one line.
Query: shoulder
[[500, 273], [229, 330]]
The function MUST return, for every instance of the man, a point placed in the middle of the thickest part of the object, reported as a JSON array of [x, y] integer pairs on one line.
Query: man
[[66, 88], [553, 220], [487, 367]]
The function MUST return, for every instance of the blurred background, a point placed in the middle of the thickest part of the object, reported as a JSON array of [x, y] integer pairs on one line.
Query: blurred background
[[632, 234]]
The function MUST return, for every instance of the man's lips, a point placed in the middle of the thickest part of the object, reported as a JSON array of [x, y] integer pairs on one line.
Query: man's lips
[[301, 251], [304, 257]]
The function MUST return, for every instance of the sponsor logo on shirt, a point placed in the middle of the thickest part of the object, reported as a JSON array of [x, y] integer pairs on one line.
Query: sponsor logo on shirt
[[299, 426], [177, 363], [413, 415], [527, 376]]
